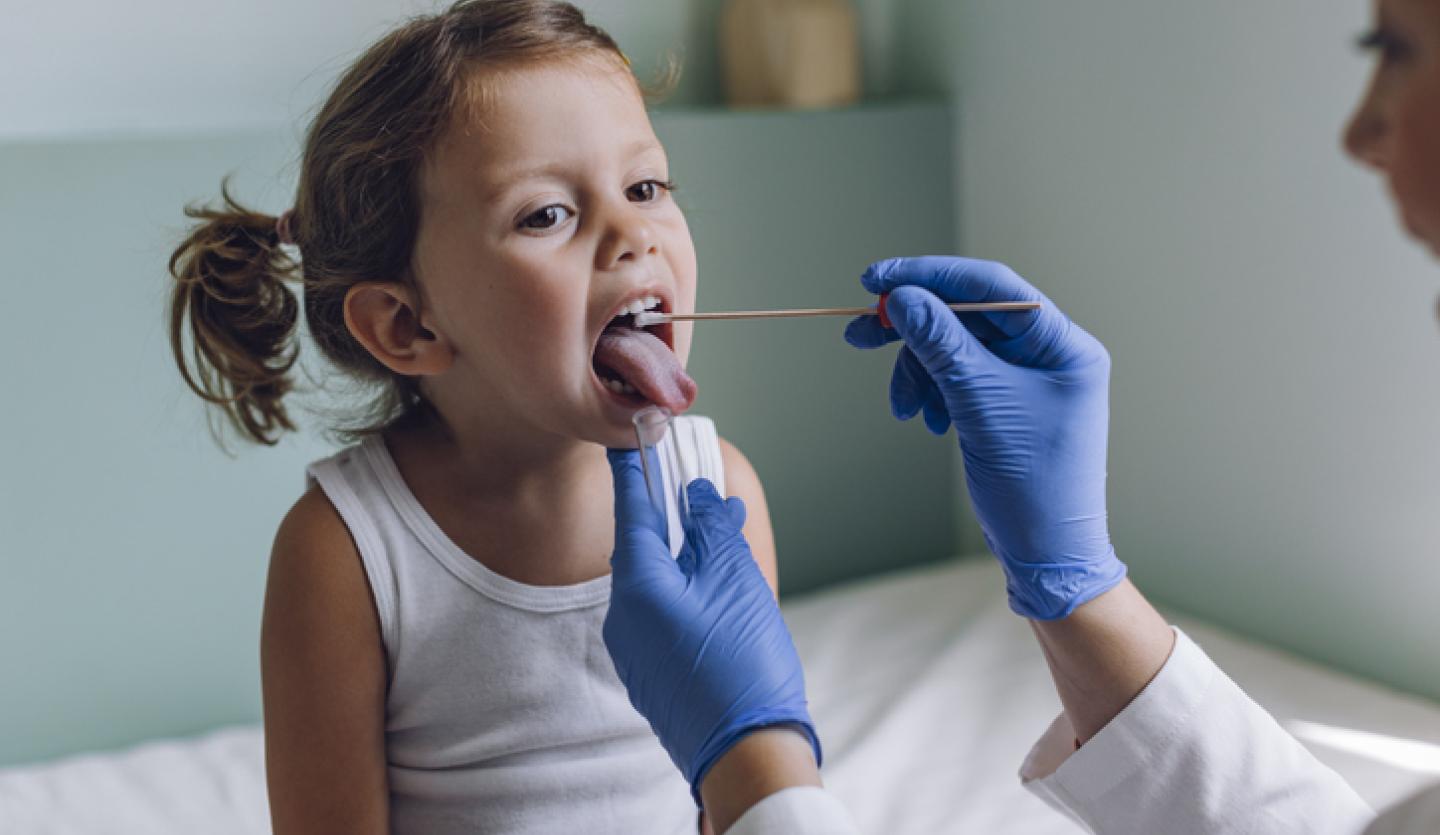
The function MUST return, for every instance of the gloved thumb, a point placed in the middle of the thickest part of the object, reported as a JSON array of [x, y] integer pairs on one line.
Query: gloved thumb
[[639, 529], [715, 523], [709, 508], [944, 347]]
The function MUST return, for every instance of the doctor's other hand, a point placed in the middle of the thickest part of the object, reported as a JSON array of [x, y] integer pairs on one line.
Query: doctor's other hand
[[698, 640], [1028, 395]]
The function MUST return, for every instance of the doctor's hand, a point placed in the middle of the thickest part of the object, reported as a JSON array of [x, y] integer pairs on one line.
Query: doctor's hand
[[699, 641], [1028, 395]]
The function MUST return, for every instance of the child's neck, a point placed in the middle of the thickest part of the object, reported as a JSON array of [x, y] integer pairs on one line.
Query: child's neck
[[538, 512]]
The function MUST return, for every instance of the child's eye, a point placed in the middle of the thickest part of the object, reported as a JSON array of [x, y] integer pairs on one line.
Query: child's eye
[[648, 191], [547, 217]]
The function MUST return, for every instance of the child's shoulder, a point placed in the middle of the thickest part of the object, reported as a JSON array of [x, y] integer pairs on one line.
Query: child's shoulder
[[316, 584], [322, 661], [313, 546], [312, 523]]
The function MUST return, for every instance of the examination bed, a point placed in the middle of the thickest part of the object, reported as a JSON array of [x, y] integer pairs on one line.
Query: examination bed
[[927, 690]]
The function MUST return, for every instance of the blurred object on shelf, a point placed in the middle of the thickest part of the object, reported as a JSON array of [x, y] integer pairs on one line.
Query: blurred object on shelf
[[793, 54]]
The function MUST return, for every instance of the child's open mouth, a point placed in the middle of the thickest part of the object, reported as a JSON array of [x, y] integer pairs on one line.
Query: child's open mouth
[[638, 365]]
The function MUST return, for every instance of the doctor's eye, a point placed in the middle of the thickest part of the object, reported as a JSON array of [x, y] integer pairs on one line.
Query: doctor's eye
[[547, 217], [648, 191], [1390, 47]]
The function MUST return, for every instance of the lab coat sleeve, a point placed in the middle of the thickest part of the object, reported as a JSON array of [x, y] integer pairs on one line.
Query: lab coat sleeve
[[804, 810], [1192, 754]]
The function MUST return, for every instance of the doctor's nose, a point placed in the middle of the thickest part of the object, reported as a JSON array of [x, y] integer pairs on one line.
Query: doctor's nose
[[629, 237], [1364, 137]]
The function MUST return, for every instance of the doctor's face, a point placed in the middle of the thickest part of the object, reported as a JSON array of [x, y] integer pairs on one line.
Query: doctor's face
[[1396, 129]]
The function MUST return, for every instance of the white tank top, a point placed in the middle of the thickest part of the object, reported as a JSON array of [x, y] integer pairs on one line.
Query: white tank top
[[504, 713]]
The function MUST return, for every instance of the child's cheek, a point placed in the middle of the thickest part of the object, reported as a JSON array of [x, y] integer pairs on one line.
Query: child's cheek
[[685, 331]]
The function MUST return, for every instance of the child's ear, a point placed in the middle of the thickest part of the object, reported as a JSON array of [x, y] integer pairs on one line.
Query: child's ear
[[385, 318]]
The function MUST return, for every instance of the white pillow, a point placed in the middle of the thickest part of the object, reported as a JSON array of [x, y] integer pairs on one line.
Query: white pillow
[[213, 784]]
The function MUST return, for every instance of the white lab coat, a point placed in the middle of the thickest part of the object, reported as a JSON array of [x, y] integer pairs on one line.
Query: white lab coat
[[1192, 755]]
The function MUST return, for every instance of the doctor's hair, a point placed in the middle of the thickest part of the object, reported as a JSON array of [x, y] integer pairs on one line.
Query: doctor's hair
[[356, 212]]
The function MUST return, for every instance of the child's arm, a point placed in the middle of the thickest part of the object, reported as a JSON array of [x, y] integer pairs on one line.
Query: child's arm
[[324, 672], [741, 480]]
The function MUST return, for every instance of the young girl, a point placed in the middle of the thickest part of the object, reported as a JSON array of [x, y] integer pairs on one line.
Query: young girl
[[481, 202]]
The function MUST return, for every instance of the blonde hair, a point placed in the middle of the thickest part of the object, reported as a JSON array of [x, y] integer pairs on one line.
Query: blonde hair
[[355, 217]]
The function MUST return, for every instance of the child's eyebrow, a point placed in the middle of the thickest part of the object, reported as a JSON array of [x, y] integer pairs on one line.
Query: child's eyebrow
[[508, 178]]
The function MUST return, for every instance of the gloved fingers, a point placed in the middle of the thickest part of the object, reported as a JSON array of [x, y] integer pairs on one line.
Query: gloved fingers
[[867, 332], [689, 554], [704, 498], [702, 502], [910, 385], [937, 417], [1051, 342], [951, 278], [709, 507], [941, 345], [639, 530], [715, 529], [735, 513], [1043, 338], [960, 280]]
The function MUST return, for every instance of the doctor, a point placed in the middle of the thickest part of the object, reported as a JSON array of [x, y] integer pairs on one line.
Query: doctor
[[1153, 738]]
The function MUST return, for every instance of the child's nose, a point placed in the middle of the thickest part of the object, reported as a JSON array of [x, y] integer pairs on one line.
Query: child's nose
[[628, 237]]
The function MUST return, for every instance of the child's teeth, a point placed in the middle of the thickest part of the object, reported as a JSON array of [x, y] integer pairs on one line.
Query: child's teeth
[[618, 386], [651, 301], [635, 307]]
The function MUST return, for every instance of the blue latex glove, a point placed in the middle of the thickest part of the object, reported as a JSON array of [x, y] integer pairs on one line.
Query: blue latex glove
[[1028, 395], [698, 641]]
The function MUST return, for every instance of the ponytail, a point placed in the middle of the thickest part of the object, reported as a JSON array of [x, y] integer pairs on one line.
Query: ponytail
[[230, 275]]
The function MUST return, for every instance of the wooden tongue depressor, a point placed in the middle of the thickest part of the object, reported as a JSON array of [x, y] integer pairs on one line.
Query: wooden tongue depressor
[[647, 318]]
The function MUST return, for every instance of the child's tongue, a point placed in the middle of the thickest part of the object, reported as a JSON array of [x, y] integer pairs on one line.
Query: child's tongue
[[648, 364]]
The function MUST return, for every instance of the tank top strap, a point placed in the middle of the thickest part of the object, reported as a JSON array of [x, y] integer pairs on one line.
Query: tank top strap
[[690, 450], [351, 485]]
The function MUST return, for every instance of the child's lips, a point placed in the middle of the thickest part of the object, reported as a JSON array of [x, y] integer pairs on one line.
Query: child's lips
[[642, 362]]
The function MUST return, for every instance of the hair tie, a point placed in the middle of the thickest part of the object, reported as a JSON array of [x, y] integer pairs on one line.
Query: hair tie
[[282, 227]]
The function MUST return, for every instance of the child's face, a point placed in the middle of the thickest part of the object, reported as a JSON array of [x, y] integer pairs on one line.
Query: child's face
[[542, 216]]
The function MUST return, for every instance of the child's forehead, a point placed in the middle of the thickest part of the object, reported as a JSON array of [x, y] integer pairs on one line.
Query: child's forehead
[[521, 117], [541, 98]]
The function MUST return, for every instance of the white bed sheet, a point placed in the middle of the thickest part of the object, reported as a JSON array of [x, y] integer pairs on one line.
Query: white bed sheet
[[928, 693]]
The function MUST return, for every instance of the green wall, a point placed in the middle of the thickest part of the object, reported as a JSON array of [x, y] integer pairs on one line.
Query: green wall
[[134, 550]]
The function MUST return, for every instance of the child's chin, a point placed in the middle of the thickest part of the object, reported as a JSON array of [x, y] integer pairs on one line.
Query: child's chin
[[610, 434], [618, 440]]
